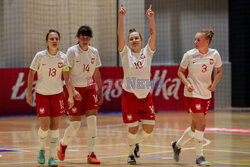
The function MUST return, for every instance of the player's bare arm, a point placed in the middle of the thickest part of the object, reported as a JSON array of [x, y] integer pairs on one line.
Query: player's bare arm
[[121, 39], [181, 74], [98, 80], [29, 96], [150, 14], [69, 87], [216, 79]]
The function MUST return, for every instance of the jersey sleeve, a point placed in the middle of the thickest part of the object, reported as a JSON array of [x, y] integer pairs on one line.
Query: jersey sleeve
[[70, 57], [185, 61], [149, 51], [124, 51], [35, 64], [98, 60], [218, 62]]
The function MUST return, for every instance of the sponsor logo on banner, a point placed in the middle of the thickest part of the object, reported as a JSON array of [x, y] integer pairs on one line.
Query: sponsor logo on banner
[[166, 89]]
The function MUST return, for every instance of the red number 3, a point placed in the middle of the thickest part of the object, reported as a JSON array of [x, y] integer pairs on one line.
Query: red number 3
[[204, 68]]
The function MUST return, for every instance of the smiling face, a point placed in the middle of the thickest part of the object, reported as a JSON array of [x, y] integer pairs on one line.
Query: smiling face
[[201, 43], [135, 41], [53, 41]]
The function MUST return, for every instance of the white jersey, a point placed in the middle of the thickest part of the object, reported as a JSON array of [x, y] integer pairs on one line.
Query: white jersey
[[136, 68], [83, 65], [49, 72], [200, 68]]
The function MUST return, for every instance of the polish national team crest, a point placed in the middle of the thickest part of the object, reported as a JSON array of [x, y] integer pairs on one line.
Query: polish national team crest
[[74, 110], [92, 60], [129, 117], [60, 64], [211, 61], [41, 110], [198, 107], [143, 56]]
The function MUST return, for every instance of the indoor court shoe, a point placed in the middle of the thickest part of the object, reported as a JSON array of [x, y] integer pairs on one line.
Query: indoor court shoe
[[91, 159], [136, 150], [176, 151], [131, 160], [202, 162], [61, 151], [52, 162], [41, 157]]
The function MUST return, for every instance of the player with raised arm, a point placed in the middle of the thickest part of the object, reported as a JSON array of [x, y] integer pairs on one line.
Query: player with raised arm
[[137, 104]]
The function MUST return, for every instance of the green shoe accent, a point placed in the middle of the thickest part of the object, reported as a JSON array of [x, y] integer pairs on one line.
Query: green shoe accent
[[52, 162], [41, 157]]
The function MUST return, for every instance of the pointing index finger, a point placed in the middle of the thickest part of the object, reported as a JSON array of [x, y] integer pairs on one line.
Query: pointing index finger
[[150, 7]]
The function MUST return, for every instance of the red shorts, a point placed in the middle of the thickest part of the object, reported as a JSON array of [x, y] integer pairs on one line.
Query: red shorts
[[50, 105], [134, 109], [89, 101], [196, 105]]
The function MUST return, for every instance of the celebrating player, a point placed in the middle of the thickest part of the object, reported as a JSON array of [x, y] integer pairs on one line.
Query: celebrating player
[[137, 101]]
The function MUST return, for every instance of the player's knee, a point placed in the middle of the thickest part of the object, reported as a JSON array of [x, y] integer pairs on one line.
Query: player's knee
[[148, 125], [133, 127], [75, 125], [43, 133]]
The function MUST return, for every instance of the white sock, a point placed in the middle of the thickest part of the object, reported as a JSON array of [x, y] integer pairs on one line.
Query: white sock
[[198, 136], [54, 135], [71, 130], [141, 136], [92, 133], [131, 140], [43, 138], [187, 135]]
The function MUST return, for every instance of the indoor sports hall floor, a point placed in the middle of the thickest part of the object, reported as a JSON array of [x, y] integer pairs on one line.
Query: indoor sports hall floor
[[227, 141]]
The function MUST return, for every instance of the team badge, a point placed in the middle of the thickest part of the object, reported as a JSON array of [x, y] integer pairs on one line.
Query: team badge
[[211, 61], [143, 56], [74, 110], [41, 110], [92, 60], [129, 117], [198, 107], [60, 64]]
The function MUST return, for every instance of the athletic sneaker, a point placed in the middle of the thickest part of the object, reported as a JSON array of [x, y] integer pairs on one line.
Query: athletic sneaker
[[136, 150], [131, 160], [91, 159], [61, 151], [52, 162], [176, 151], [41, 157], [202, 162]]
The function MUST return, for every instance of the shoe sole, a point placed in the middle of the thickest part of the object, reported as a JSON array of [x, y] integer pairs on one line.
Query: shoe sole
[[203, 164], [133, 163]]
